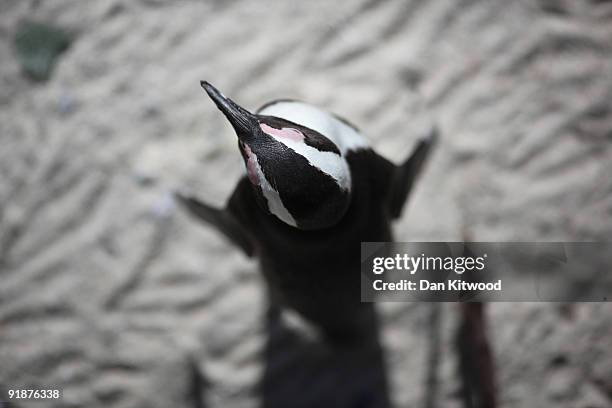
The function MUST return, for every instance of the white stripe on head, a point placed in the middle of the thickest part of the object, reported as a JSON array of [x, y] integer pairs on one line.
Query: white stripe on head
[[328, 162], [256, 175], [342, 135]]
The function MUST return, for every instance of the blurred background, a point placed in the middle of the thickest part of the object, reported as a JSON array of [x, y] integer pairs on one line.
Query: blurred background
[[111, 292]]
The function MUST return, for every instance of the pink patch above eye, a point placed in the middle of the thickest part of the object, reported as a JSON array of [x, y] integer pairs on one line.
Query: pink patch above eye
[[286, 133], [251, 165]]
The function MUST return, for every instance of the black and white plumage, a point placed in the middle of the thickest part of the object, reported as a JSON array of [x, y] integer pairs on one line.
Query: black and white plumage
[[314, 190]]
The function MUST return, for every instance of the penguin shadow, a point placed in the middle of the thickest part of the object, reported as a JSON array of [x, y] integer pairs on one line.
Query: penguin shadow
[[302, 372]]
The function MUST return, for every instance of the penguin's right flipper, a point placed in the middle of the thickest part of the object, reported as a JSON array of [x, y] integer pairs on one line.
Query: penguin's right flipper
[[406, 173], [220, 218]]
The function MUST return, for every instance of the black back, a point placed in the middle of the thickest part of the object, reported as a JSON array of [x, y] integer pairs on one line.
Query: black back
[[317, 272]]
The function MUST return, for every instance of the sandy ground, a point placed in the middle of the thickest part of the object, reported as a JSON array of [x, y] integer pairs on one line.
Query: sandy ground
[[111, 292]]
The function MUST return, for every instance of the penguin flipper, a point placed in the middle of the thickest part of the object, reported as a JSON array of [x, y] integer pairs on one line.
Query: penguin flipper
[[406, 174], [219, 218]]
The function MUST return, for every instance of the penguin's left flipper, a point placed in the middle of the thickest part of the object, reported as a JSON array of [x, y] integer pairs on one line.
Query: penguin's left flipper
[[406, 174], [220, 218]]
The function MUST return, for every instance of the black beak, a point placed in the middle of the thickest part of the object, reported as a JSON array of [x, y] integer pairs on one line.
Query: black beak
[[241, 119]]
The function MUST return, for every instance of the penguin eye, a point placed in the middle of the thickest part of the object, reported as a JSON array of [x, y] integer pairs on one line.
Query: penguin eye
[[292, 132], [321, 143]]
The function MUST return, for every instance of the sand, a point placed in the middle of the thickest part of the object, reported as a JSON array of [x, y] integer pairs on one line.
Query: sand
[[111, 292]]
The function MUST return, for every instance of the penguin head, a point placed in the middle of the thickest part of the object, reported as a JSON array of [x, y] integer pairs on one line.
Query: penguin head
[[297, 174]]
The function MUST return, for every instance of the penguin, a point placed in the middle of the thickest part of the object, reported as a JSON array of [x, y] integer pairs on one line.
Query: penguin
[[314, 189]]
